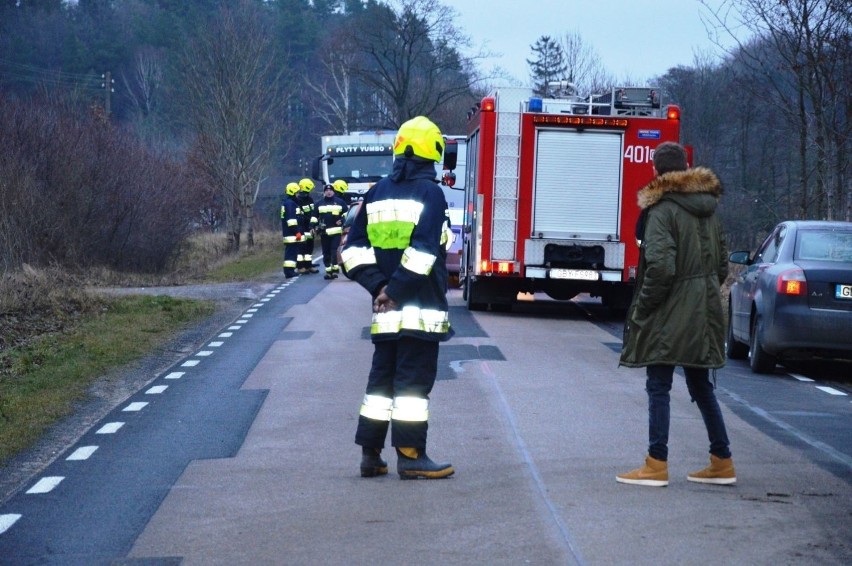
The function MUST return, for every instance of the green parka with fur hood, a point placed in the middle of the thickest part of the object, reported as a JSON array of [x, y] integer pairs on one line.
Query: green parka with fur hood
[[676, 315]]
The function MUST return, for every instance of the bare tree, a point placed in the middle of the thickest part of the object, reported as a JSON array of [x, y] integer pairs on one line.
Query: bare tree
[[235, 100], [809, 71], [335, 86], [409, 58], [584, 66]]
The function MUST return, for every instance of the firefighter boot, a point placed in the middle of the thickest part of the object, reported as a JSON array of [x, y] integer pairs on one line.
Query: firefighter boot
[[413, 463], [372, 464]]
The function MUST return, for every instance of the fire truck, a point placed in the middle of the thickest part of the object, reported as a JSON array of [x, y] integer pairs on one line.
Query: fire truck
[[550, 195]]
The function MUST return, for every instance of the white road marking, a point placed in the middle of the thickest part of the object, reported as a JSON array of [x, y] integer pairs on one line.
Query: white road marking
[[252, 310], [156, 390], [242, 321], [257, 305], [247, 315], [45, 485], [830, 390], [82, 453], [6, 521], [175, 375], [234, 327], [214, 344], [265, 300], [800, 377], [134, 407], [226, 335], [204, 353], [110, 428], [190, 363]]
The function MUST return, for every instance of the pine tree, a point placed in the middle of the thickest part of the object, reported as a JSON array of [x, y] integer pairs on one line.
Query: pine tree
[[547, 65]]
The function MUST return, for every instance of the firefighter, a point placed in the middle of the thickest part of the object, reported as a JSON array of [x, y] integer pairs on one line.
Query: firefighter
[[308, 226], [291, 228], [331, 210], [394, 250]]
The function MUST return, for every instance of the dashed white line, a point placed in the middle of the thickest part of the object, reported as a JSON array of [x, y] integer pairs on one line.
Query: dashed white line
[[265, 300], [110, 428], [242, 321], [190, 363], [214, 344], [800, 377], [257, 305], [82, 453], [156, 390], [134, 407], [226, 335], [247, 315], [252, 310], [234, 327], [831, 390], [204, 353], [6, 521], [175, 375], [45, 485]]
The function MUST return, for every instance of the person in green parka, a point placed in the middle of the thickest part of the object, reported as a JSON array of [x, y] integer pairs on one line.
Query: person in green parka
[[676, 316]]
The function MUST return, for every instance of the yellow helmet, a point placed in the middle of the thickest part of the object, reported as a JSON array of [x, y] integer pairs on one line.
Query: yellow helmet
[[292, 189], [422, 136], [306, 184], [340, 186]]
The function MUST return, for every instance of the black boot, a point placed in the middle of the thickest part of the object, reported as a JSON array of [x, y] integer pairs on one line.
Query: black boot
[[372, 464], [413, 464]]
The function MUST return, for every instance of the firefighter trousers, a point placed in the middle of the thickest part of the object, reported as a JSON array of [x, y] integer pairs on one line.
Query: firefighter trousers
[[397, 396], [306, 253], [291, 254], [330, 244]]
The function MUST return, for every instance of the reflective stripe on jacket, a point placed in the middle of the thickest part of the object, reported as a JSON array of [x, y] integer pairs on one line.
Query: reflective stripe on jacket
[[398, 240]]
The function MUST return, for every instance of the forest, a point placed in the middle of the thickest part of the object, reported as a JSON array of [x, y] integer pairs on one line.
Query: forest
[[127, 125]]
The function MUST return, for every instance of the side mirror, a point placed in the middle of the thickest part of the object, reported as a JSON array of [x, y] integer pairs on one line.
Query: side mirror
[[451, 153], [741, 258], [449, 179], [315, 168]]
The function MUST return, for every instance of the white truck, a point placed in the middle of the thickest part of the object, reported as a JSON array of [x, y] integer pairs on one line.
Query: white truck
[[360, 158]]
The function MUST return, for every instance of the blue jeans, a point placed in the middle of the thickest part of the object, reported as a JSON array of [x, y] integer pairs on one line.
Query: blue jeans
[[658, 385]]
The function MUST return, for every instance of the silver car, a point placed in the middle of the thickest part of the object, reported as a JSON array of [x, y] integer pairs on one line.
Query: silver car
[[794, 298]]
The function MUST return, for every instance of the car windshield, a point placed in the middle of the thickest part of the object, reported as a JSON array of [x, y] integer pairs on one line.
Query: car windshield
[[824, 245]]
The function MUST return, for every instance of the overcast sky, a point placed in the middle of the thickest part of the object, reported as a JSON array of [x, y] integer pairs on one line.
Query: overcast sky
[[633, 38]]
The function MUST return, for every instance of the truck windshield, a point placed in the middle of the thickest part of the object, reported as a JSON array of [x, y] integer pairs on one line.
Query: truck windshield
[[360, 168]]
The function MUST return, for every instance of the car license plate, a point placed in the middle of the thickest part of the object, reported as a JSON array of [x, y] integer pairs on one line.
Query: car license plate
[[583, 274], [843, 292]]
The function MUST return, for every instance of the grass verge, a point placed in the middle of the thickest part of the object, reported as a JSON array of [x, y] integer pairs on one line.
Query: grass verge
[[41, 380]]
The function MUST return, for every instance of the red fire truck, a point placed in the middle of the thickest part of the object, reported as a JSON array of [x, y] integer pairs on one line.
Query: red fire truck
[[550, 195]]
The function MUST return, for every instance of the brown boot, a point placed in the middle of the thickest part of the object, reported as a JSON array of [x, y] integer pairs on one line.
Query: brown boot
[[654, 473], [720, 472]]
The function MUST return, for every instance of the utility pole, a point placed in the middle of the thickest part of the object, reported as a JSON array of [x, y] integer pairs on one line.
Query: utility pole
[[107, 85]]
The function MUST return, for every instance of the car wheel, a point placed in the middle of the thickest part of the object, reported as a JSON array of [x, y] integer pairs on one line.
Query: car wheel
[[734, 350], [759, 360]]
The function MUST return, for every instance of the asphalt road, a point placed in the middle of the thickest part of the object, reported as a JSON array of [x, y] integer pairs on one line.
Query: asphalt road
[[241, 452]]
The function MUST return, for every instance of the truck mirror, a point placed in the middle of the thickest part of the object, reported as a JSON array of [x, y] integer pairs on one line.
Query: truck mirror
[[315, 168], [451, 152]]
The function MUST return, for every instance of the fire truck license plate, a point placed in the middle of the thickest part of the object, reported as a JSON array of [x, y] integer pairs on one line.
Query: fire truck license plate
[[584, 274]]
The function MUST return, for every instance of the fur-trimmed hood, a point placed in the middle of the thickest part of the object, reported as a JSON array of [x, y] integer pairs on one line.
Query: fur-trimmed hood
[[697, 190]]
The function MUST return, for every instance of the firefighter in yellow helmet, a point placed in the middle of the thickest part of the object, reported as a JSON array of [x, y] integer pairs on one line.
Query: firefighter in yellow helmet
[[395, 251], [309, 225], [291, 229], [331, 209], [340, 187]]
